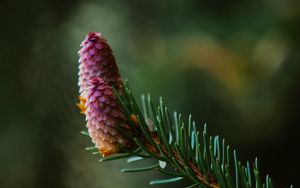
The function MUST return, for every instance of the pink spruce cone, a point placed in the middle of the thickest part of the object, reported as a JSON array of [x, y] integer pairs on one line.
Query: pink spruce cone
[[103, 115], [98, 73], [96, 59]]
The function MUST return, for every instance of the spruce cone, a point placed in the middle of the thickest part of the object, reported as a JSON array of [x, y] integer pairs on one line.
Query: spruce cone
[[96, 59], [103, 115], [98, 73]]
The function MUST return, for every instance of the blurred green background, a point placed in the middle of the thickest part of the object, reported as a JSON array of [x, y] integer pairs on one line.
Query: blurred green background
[[233, 64]]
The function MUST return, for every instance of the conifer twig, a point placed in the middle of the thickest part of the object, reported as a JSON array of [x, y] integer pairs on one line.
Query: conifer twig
[[119, 129]]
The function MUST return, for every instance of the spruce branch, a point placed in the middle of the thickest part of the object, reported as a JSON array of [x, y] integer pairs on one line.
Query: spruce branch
[[121, 129], [205, 160]]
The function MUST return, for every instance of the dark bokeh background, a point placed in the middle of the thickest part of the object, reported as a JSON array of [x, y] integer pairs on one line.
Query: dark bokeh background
[[233, 64]]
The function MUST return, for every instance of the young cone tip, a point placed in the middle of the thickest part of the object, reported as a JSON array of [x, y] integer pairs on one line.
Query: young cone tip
[[98, 74]]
